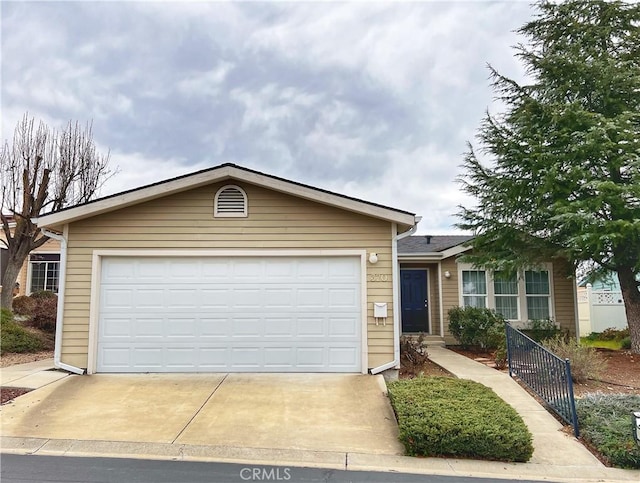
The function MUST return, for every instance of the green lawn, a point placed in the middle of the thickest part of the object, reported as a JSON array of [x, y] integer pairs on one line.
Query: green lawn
[[603, 344]]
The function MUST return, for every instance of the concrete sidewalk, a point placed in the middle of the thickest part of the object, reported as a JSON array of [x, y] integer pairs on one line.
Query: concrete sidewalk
[[557, 456], [32, 375]]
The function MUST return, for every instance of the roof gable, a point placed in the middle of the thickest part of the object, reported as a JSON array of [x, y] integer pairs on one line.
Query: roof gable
[[223, 172]]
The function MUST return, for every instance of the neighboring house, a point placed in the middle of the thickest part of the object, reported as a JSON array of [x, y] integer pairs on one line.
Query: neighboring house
[[433, 281], [600, 304], [233, 270], [40, 271]]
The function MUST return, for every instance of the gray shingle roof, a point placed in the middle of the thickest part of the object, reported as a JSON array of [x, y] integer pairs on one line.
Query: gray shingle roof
[[429, 244]]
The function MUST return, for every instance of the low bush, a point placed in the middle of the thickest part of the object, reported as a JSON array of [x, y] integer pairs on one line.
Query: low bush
[[43, 294], [585, 361], [613, 334], [441, 416], [540, 330], [23, 305], [625, 343], [44, 313], [413, 353], [475, 326], [14, 337], [605, 423]]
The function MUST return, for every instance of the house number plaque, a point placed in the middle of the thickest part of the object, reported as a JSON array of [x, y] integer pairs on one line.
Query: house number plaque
[[378, 277]]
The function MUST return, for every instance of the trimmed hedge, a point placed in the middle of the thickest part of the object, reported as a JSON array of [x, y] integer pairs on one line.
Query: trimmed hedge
[[15, 338], [605, 422], [441, 416]]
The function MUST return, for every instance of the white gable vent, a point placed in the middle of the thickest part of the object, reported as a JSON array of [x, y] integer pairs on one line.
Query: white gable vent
[[230, 201]]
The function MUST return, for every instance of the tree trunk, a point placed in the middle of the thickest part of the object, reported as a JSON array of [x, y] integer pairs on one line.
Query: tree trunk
[[18, 253], [631, 297], [9, 282]]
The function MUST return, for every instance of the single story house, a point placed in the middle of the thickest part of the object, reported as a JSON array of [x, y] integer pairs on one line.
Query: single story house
[[233, 270]]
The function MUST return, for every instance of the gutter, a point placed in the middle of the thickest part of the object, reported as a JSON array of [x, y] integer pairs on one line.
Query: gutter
[[395, 268], [58, 364]]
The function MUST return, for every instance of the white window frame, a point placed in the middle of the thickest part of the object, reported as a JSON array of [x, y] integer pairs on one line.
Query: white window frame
[[485, 295], [30, 263], [522, 294], [226, 214], [518, 295]]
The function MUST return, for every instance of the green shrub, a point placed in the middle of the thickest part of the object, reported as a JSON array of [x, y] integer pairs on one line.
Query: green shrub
[[586, 363], [23, 305], [540, 330], [441, 416], [605, 422], [475, 326], [625, 343], [15, 338]]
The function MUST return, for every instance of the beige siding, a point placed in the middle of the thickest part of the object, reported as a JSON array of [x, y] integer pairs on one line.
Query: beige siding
[[563, 296], [450, 294], [185, 220]]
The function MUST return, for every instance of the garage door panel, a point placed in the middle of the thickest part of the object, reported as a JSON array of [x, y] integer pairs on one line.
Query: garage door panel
[[269, 314]]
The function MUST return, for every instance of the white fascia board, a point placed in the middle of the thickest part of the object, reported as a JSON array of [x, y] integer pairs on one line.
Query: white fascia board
[[200, 179], [420, 257], [449, 252]]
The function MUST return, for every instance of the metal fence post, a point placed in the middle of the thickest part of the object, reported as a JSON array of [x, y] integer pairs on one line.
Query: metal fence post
[[572, 401]]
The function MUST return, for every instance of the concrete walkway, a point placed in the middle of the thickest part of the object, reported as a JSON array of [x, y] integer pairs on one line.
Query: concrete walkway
[[31, 375], [557, 457]]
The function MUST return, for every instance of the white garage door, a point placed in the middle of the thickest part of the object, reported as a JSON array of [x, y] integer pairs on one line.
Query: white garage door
[[276, 314]]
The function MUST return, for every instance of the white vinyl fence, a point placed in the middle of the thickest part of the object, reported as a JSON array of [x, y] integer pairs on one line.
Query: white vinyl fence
[[599, 310]]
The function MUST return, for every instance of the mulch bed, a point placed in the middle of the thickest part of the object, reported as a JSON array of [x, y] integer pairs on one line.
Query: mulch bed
[[9, 393]]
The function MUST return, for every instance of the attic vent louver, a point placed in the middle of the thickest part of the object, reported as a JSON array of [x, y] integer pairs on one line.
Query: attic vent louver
[[230, 202]]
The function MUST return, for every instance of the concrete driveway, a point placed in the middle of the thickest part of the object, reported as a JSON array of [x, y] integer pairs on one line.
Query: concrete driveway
[[316, 412]]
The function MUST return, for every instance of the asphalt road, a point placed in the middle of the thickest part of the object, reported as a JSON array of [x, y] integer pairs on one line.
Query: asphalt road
[[50, 469]]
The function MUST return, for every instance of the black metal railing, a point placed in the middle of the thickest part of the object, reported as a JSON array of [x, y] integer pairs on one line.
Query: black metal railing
[[544, 373]]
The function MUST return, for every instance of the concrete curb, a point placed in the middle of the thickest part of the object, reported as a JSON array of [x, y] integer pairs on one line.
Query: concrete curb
[[314, 459]]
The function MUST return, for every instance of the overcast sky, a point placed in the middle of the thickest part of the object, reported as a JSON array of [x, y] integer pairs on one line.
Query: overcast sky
[[372, 100]]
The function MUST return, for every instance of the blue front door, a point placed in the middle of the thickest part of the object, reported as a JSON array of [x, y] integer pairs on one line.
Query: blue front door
[[414, 301]]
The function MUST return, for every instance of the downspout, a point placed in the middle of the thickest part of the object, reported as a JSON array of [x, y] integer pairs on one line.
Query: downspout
[[395, 275], [61, 289]]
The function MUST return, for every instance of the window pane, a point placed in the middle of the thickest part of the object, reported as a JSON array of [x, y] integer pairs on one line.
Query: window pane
[[38, 274], [508, 307], [538, 308], [53, 270], [505, 285], [537, 282], [474, 301], [474, 282]]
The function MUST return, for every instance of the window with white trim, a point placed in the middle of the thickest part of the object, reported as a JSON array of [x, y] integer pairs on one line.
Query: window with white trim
[[523, 296], [538, 290], [230, 202], [505, 291], [45, 272], [474, 288]]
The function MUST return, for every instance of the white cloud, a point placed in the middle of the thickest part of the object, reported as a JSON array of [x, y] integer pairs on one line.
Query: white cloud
[[372, 99]]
